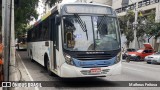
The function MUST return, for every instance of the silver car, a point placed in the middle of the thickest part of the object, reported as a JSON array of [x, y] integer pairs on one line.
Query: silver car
[[154, 58]]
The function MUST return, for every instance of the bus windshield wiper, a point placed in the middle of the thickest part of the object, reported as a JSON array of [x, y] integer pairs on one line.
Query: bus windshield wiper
[[99, 26], [82, 24]]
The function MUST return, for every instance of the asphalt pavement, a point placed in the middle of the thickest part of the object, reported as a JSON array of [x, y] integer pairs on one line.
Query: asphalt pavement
[[132, 71]]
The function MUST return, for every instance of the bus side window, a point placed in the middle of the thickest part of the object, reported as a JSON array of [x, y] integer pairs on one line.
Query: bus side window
[[46, 29], [40, 31]]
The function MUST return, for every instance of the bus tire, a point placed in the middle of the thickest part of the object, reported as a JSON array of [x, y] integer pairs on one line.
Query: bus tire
[[31, 56], [18, 47], [138, 58], [47, 65]]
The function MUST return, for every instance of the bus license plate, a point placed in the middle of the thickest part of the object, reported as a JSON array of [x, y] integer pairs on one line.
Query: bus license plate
[[95, 70]]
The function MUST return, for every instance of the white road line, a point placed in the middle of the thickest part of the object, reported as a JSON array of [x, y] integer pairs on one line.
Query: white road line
[[36, 88], [133, 69], [141, 66]]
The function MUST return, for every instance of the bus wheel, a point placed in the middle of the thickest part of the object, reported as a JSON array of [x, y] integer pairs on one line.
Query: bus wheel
[[31, 56], [48, 67], [138, 58], [18, 47]]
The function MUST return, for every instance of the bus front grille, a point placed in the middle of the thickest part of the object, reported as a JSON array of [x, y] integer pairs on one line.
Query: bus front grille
[[94, 56]]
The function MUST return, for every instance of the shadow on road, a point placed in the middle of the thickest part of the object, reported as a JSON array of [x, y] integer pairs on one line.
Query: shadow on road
[[58, 82], [82, 82]]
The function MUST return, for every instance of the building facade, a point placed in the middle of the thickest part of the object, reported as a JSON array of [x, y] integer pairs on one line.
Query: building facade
[[143, 5]]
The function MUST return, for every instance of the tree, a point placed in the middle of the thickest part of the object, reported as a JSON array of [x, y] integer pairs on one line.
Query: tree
[[126, 24], [51, 2], [24, 12], [152, 27], [140, 27]]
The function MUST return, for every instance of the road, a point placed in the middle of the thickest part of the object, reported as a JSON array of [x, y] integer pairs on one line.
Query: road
[[132, 71]]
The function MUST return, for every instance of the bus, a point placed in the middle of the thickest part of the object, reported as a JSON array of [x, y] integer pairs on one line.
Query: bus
[[77, 40], [21, 42]]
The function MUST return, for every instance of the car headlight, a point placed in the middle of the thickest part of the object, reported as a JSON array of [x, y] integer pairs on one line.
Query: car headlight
[[68, 59], [146, 57], [118, 58]]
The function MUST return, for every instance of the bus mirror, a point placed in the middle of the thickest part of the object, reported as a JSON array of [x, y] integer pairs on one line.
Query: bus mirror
[[57, 20]]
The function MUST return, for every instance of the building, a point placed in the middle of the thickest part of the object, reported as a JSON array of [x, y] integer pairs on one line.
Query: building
[[143, 5]]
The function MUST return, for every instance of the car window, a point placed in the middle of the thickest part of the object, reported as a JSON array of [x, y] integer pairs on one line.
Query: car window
[[131, 50], [145, 51], [140, 51], [150, 51]]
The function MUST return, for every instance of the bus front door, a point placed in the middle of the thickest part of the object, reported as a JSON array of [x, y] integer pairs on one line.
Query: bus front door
[[54, 29]]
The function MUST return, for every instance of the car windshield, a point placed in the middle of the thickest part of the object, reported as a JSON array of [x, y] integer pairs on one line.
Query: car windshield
[[131, 50], [140, 51], [90, 33]]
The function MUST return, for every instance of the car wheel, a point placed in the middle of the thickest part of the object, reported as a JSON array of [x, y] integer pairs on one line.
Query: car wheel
[[127, 59], [149, 62], [138, 58]]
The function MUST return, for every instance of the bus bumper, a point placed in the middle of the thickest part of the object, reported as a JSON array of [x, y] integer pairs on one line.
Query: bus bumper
[[68, 71]]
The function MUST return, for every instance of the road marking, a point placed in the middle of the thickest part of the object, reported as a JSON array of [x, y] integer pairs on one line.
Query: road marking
[[132, 69], [141, 66], [36, 88]]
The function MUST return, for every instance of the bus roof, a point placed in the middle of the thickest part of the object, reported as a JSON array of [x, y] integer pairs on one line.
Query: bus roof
[[61, 5]]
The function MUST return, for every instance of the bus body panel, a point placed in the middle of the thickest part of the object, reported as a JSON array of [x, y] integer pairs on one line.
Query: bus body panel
[[37, 55], [72, 71]]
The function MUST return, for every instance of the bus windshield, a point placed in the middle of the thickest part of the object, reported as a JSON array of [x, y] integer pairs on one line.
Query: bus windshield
[[90, 33]]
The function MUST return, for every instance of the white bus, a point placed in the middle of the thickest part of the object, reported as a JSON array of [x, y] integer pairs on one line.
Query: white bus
[[77, 40]]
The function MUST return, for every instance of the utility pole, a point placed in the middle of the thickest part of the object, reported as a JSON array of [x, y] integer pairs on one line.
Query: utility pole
[[135, 26], [6, 39], [12, 45]]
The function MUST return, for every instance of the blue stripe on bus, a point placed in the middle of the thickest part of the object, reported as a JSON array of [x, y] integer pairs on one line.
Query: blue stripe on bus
[[94, 63]]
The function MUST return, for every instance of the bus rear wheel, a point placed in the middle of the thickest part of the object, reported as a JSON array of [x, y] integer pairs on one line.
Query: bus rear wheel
[[31, 56], [48, 66]]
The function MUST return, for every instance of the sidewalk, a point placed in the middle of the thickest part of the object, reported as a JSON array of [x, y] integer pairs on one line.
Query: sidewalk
[[18, 72]]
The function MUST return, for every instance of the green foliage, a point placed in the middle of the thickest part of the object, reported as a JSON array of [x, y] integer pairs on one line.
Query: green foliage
[[152, 27], [140, 27], [126, 25], [146, 25], [51, 2], [24, 13]]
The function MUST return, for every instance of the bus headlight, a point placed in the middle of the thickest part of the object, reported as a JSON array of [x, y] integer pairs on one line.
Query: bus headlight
[[118, 58], [68, 59]]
